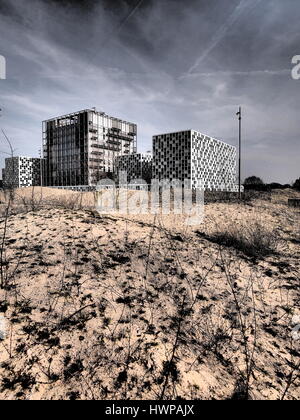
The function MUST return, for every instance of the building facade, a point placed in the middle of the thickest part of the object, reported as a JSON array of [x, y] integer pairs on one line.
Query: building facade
[[21, 171], [80, 148], [204, 162], [137, 166]]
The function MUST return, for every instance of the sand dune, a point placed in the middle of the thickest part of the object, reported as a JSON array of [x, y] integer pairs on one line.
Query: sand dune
[[144, 307]]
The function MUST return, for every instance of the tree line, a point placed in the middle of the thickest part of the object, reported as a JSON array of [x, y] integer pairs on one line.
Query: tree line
[[256, 183]]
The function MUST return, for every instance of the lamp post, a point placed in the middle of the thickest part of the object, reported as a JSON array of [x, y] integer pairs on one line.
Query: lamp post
[[41, 167], [239, 114]]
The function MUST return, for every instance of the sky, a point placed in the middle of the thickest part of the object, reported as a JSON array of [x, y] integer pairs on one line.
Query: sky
[[165, 65]]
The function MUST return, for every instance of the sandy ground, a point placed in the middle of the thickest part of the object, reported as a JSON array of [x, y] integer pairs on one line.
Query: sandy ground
[[144, 307]]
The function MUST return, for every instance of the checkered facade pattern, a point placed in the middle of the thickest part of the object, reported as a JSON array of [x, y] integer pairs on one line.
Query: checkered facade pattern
[[137, 166], [22, 172], [206, 163]]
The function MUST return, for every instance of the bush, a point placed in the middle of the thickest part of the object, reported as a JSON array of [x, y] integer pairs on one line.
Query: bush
[[297, 184], [253, 239], [253, 180], [254, 183], [257, 187], [277, 186]]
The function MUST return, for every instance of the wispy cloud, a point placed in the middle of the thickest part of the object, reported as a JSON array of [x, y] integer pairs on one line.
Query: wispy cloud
[[54, 68], [238, 12], [250, 73]]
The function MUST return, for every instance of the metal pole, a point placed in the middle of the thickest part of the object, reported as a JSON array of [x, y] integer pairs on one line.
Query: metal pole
[[41, 168], [240, 149]]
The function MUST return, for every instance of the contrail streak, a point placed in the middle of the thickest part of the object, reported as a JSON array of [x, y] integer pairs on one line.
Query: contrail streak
[[220, 34], [129, 16], [117, 30]]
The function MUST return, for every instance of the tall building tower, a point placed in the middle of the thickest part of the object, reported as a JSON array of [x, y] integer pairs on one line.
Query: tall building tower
[[202, 161], [81, 147]]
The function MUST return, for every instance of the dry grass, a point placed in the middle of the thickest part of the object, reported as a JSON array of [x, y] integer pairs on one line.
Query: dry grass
[[36, 198], [253, 239]]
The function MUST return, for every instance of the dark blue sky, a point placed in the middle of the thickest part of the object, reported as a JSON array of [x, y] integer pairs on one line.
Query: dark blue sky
[[164, 64]]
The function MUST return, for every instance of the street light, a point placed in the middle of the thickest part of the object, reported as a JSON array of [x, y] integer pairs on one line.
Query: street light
[[41, 167], [239, 114]]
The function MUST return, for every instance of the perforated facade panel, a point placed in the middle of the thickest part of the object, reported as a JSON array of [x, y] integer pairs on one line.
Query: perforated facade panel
[[205, 162]]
